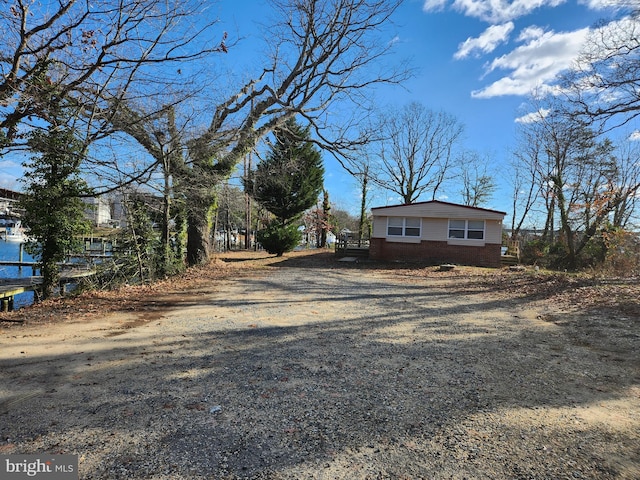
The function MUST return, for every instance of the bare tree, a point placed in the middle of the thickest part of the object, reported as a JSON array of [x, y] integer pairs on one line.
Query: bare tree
[[603, 85], [579, 178], [416, 150], [99, 59], [360, 165], [626, 186], [88, 53], [478, 185], [325, 55], [523, 175], [363, 180]]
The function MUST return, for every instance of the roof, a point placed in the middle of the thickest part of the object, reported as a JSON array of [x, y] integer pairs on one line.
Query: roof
[[436, 208], [10, 194]]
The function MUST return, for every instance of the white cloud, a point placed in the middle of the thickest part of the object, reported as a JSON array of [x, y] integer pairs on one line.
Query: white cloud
[[486, 42], [534, 65], [433, 5], [602, 4], [530, 33], [495, 11], [635, 136], [533, 117]]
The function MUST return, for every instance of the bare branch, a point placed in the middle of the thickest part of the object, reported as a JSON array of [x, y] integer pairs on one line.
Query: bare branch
[[325, 54], [415, 153], [87, 51], [604, 84]]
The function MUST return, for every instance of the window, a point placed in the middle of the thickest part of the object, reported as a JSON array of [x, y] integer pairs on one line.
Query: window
[[411, 227], [395, 226], [457, 228], [404, 227], [466, 229], [475, 229]]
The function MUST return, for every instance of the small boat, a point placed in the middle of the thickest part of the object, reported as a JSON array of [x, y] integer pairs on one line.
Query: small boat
[[11, 230]]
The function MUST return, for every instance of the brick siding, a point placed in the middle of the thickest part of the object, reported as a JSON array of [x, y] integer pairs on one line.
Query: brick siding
[[435, 253]]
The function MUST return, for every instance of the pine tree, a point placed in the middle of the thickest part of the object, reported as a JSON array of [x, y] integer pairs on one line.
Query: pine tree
[[287, 183], [290, 179]]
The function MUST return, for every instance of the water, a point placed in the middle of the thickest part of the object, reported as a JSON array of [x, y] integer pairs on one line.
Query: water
[[10, 251]]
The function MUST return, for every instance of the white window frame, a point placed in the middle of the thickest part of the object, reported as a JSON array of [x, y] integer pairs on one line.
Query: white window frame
[[466, 228], [403, 227]]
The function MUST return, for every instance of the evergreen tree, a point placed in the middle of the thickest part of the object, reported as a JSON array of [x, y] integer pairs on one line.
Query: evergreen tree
[[279, 239], [290, 179], [286, 184]]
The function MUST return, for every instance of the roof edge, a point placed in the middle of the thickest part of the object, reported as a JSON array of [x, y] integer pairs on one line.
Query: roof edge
[[441, 203]]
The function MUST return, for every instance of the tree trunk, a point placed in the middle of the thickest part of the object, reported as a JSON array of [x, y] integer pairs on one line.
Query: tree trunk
[[565, 225], [198, 235], [363, 206], [166, 220], [50, 278]]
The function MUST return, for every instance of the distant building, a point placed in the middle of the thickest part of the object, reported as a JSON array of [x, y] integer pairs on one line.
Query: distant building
[[8, 201], [98, 211]]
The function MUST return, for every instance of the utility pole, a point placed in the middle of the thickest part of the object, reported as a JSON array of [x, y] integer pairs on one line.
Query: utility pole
[[247, 203]]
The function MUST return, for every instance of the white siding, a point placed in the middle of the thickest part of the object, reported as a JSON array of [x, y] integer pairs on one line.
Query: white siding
[[379, 229], [435, 222], [493, 231], [435, 229]]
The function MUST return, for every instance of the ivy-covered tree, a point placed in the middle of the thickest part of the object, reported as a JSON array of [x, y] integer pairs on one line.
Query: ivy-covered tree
[[54, 210], [290, 179], [140, 258]]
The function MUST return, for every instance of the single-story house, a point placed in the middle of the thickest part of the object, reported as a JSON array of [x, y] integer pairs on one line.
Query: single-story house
[[437, 232]]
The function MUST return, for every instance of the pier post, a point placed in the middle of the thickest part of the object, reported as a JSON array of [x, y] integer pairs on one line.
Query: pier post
[[20, 255], [7, 304]]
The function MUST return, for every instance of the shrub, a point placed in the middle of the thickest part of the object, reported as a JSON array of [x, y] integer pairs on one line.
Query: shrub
[[279, 239], [534, 252], [622, 254]]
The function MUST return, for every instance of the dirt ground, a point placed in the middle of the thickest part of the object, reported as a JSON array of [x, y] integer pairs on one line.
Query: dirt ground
[[304, 367]]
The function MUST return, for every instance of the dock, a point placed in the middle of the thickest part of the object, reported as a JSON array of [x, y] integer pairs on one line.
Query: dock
[[75, 267], [10, 287], [32, 265]]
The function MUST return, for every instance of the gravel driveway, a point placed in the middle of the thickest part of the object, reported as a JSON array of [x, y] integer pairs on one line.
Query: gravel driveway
[[328, 371]]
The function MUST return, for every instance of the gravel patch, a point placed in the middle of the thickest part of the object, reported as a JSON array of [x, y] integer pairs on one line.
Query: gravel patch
[[326, 370]]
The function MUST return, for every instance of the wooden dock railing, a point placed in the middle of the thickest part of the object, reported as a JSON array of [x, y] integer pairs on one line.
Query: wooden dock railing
[[10, 287]]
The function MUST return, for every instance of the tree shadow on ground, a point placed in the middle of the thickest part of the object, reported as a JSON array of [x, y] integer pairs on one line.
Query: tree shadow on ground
[[404, 379]]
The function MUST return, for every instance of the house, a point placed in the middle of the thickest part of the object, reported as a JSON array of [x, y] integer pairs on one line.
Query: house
[[437, 232], [98, 210], [8, 201]]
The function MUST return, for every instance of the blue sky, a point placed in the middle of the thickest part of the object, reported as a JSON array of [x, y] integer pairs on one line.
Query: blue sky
[[476, 59], [479, 60]]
